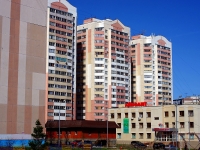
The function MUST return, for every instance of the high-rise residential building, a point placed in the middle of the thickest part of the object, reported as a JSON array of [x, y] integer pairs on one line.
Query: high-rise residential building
[[103, 68], [23, 65], [37, 67], [151, 75], [61, 60]]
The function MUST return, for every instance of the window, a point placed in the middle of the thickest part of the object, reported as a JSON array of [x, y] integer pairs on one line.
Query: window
[[119, 124], [133, 115], [133, 136], [112, 116], [191, 124], [133, 125], [140, 135], [156, 118], [173, 113], [181, 113], [126, 115], [148, 125], [119, 135], [191, 136], [190, 113], [166, 114], [50, 114], [148, 135], [118, 115], [99, 29], [148, 114], [173, 124], [182, 136], [166, 125], [141, 114], [182, 125], [140, 125]]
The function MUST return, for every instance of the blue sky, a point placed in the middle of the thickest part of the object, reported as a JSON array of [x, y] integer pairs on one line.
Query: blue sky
[[178, 21]]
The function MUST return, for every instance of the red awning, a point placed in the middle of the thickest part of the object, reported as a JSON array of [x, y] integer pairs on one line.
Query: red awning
[[164, 129]]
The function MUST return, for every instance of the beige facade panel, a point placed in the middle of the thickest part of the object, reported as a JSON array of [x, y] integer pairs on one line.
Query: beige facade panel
[[34, 12], [16, 68]]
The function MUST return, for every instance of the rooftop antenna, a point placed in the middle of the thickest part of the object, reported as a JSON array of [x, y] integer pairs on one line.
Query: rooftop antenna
[[142, 32]]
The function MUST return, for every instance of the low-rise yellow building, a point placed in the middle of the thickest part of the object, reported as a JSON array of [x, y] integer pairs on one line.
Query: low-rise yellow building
[[158, 123]]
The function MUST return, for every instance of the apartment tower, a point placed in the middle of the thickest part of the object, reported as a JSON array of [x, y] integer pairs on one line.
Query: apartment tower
[[103, 68], [22, 65], [151, 65], [61, 60]]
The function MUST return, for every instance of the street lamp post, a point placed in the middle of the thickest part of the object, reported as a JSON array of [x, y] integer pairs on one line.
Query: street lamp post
[[176, 127], [59, 128], [189, 130], [107, 132]]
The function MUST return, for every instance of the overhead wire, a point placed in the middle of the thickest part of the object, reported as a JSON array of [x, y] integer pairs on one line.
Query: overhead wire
[[183, 80]]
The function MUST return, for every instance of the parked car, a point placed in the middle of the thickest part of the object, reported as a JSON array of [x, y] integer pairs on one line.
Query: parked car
[[87, 142], [159, 146], [170, 147], [99, 143], [77, 143], [138, 145]]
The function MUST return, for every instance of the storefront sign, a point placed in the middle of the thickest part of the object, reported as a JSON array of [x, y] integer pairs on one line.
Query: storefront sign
[[178, 101], [126, 125], [136, 104]]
